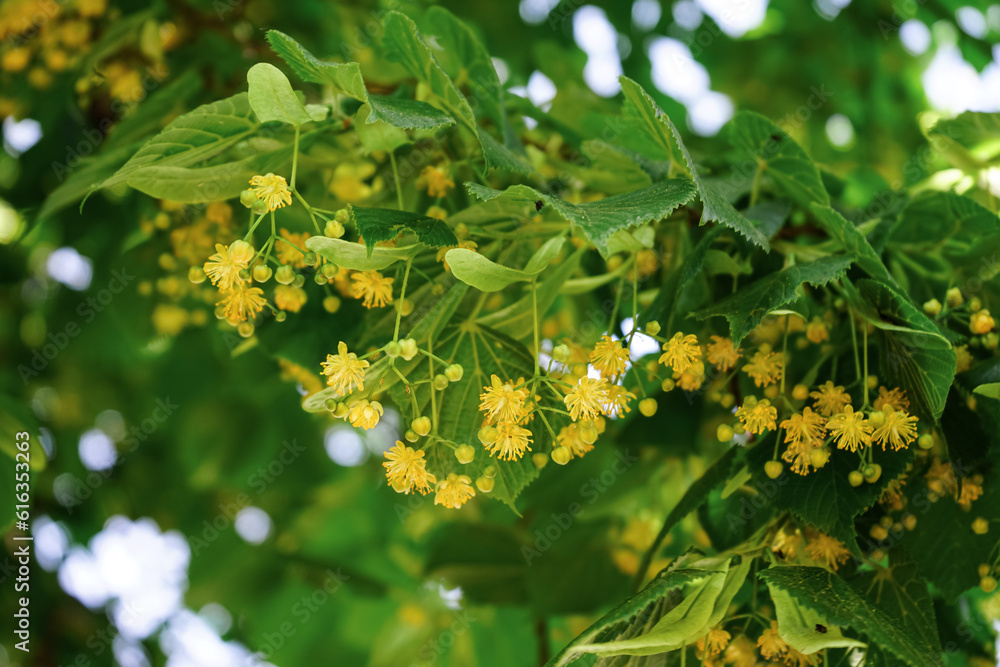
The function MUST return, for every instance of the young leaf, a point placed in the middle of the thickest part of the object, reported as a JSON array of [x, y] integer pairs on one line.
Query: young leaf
[[745, 309], [272, 98], [643, 113], [772, 150], [834, 599], [408, 114], [482, 273]]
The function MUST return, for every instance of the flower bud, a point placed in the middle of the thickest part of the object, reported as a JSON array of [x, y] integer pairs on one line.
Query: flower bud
[[488, 434], [421, 425], [724, 433], [411, 436], [953, 297], [647, 406], [409, 348], [856, 478], [259, 207], [485, 484], [333, 229], [454, 372], [331, 304], [262, 273], [248, 198], [932, 308], [285, 275], [652, 327], [465, 453], [561, 353], [980, 526], [440, 382], [196, 274], [393, 349], [773, 469], [561, 455]]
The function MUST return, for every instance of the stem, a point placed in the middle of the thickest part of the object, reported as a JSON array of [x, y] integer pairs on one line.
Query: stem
[[534, 318], [295, 156], [864, 380], [402, 296], [395, 177], [254, 225]]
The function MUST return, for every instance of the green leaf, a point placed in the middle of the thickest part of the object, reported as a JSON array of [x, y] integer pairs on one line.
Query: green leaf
[[272, 98], [825, 498], [604, 217], [193, 185], [977, 131], [914, 354], [484, 560], [600, 219], [901, 592], [779, 157], [405, 46], [797, 626], [198, 135], [852, 241], [835, 600], [383, 224], [355, 256], [344, 78], [745, 309], [377, 135], [408, 114], [465, 58], [645, 115]]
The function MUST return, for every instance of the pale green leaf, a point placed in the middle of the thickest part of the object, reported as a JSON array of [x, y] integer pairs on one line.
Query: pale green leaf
[[272, 98], [355, 256]]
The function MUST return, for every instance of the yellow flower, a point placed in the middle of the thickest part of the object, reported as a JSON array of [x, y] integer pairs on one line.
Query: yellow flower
[[365, 413], [850, 429], [169, 319], [714, 642], [454, 491], [349, 185], [741, 652], [223, 268], [796, 658], [436, 180], [970, 492], [898, 429], [219, 212], [374, 288], [827, 550], [569, 437], [692, 378], [503, 402], [757, 416], [617, 401], [722, 354], [273, 190], [344, 370], [242, 303], [830, 399], [816, 331], [290, 298], [511, 442], [609, 357], [290, 251], [981, 322], [586, 398], [765, 368], [770, 643], [680, 352], [807, 427], [964, 358], [406, 469], [896, 398]]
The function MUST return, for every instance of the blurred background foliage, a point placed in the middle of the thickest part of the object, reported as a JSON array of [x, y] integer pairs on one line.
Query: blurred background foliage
[[243, 523]]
